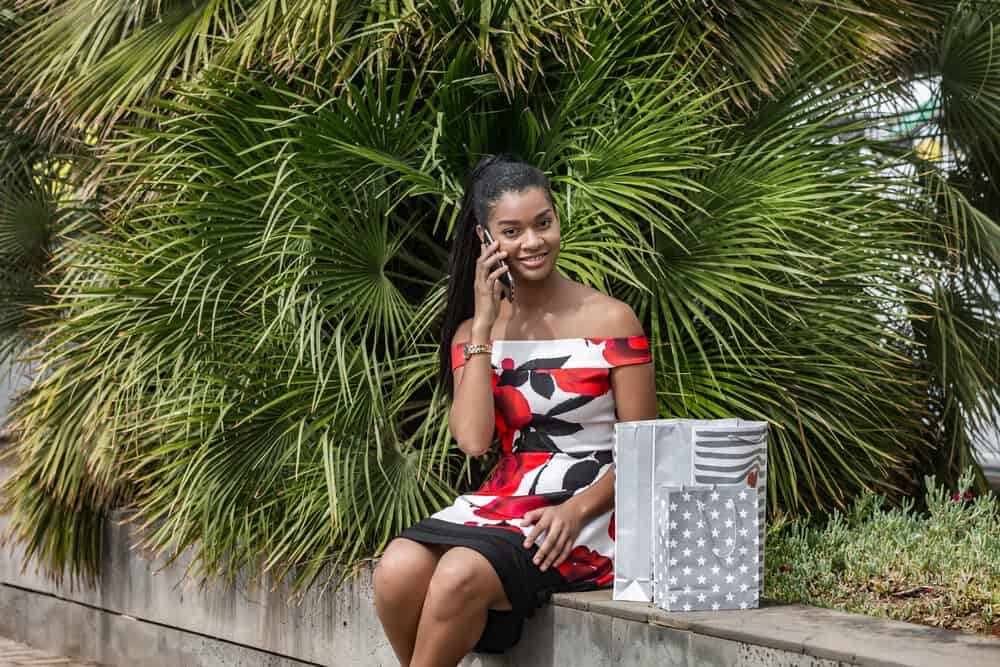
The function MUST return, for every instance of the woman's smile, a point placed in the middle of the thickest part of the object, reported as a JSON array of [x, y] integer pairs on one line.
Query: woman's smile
[[533, 261]]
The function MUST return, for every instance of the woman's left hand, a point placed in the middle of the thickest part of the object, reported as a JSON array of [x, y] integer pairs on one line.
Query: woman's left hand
[[562, 525]]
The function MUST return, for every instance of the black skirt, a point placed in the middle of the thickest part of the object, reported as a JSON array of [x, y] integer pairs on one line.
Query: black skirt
[[526, 586]]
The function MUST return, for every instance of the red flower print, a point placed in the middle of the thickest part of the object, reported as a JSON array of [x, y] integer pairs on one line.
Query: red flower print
[[507, 364], [584, 563], [504, 432], [582, 381], [628, 350], [513, 406], [611, 526], [511, 507], [510, 412], [510, 470]]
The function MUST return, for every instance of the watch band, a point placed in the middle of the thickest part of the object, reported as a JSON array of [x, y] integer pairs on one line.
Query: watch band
[[476, 348]]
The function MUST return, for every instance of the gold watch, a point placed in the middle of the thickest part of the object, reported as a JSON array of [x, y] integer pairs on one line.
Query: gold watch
[[476, 348]]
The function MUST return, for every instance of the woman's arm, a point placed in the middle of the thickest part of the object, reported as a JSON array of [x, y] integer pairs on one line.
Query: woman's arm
[[471, 418], [634, 387], [635, 398]]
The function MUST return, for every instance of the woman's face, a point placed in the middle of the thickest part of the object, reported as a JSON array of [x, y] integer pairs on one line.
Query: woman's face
[[527, 226]]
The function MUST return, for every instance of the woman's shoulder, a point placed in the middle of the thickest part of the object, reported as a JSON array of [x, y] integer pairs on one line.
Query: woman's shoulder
[[607, 316], [598, 314]]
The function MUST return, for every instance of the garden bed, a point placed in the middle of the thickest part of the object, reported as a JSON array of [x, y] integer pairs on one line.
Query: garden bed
[[938, 567]]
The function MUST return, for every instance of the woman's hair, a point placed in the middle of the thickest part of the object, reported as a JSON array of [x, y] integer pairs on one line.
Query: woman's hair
[[491, 178]]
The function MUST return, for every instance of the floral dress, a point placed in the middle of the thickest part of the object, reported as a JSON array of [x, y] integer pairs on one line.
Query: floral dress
[[555, 413]]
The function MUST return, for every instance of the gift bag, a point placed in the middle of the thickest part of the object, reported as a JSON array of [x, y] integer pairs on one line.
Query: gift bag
[[677, 452], [734, 455], [707, 548]]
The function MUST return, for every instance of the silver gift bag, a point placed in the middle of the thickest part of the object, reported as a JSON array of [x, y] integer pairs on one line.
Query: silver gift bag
[[734, 455], [678, 452], [707, 548]]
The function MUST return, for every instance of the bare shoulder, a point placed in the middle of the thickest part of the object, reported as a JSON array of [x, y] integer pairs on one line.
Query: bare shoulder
[[611, 317]]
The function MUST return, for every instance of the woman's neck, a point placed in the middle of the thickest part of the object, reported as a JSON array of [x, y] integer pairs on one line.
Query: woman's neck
[[536, 298]]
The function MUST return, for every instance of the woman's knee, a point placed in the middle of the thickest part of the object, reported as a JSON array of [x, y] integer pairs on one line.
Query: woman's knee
[[405, 567], [464, 579]]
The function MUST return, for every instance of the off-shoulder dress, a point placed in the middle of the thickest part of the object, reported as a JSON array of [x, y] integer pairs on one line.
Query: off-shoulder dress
[[555, 413]]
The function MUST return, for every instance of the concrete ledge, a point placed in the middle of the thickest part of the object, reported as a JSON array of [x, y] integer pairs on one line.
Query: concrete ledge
[[811, 631], [146, 613], [116, 639]]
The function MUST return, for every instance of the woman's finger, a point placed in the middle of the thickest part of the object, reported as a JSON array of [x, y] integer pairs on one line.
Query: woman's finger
[[499, 272], [564, 554], [487, 249], [538, 528], [552, 538], [553, 543], [555, 553]]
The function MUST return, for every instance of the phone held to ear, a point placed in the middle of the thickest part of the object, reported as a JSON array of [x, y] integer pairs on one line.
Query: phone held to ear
[[505, 278]]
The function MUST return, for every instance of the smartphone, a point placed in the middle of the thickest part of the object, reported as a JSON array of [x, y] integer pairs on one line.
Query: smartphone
[[505, 278]]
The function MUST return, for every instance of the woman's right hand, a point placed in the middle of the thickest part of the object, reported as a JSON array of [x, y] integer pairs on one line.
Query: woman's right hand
[[488, 288]]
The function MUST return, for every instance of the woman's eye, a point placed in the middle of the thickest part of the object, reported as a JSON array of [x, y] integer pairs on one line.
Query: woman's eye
[[546, 222], [508, 230]]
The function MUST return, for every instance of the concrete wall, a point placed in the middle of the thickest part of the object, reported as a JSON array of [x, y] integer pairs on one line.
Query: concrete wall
[[559, 636], [318, 628], [146, 614]]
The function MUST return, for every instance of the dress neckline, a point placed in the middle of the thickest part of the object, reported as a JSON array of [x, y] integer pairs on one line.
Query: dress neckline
[[554, 340]]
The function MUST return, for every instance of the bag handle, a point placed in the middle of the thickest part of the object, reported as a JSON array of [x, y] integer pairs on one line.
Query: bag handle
[[729, 504]]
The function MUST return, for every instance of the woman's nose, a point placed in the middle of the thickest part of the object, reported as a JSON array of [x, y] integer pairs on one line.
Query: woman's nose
[[531, 241]]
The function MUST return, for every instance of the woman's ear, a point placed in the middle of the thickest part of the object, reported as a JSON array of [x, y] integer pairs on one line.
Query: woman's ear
[[479, 232]]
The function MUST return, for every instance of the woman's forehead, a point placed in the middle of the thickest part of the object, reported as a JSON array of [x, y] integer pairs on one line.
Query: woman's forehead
[[521, 206]]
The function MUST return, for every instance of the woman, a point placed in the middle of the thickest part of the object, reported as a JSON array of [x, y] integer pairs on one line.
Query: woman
[[564, 360]]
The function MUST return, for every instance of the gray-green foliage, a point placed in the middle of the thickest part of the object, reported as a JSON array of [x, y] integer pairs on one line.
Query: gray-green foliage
[[243, 342], [939, 566]]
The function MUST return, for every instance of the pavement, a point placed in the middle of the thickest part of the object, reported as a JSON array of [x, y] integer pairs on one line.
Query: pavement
[[14, 653]]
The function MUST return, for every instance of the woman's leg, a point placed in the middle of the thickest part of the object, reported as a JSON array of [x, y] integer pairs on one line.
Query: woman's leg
[[463, 587], [401, 579]]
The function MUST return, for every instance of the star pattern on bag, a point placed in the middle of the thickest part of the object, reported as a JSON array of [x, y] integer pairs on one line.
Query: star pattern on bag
[[708, 557]]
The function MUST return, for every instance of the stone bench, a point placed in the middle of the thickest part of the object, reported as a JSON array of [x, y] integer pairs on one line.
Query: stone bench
[[144, 613]]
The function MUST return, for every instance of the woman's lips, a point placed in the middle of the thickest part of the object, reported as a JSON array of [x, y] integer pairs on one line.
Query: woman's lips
[[536, 261]]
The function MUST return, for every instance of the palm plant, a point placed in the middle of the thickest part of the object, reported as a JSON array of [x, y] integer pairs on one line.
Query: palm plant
[[242, 347]]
